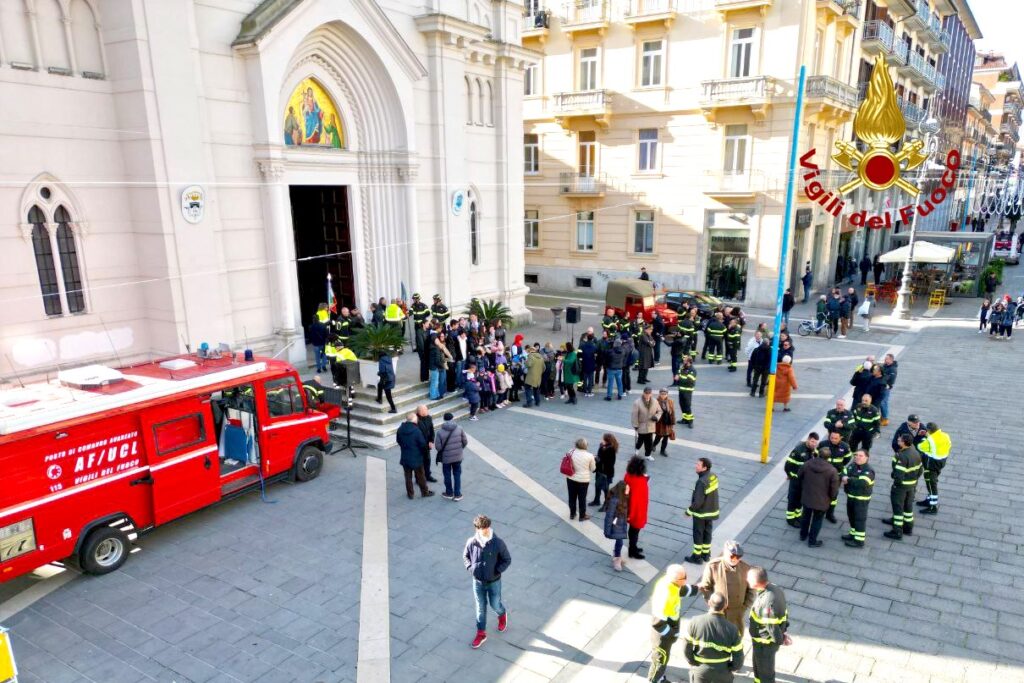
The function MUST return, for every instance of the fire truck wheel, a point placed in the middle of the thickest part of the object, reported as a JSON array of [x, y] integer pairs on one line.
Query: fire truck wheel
[[308, 464], [104, 551]]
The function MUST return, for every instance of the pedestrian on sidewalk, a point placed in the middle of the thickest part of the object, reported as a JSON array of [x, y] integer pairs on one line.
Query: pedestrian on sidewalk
[[787, 305], [861, 379], [833, 308], [645, 415], [806, 280], [759, 365], [449, 444], [665, 430], [866, 424], [865, 268], [714, 646], [426, 424], [853, 302], [616, 520], [645, 347], [386, 379], [604, 475], [637, 480], [858, 483], [797, 458], [571, 370], [703, 511], [986, 307], [666, 607], [589, 363], [412, 445], [769, 621], [748, 350], [906, 470], [727, 576], [617, 360], [486, 558], [534, 376], [866, 308], [845, 313], [785, 383], [934, 451], [914, 428], [577, 483], [878, 267], [819, 485]]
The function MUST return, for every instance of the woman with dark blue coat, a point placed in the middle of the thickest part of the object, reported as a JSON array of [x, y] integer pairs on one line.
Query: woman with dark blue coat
[[616, 520], [386, 379]]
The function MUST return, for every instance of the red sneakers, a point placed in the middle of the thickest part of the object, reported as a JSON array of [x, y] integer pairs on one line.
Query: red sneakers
[[481, 637], [503, 622]]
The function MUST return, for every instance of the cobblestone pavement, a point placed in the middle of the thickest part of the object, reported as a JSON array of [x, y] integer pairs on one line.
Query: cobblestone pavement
[[249, 591]]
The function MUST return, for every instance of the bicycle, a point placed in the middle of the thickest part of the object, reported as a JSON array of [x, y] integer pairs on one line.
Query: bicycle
[[815, 326]]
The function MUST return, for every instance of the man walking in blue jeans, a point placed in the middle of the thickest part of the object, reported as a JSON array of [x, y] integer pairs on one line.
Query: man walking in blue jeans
[[617, 361], [486, 558], [807, 280]]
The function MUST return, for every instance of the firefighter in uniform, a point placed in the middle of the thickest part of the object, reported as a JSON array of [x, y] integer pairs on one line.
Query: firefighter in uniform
[[687, 331], [439, 310], [333, 353], [733, 337], [768, 623], [714, 335], [858, 482], [342, 327], [839, 458], [934, 451], [800, 455], [665, 610], [839, 419], [610, 323], [703, 511], [714, 648], [866, 424], [420, 313], [686, 381], [906, 470]]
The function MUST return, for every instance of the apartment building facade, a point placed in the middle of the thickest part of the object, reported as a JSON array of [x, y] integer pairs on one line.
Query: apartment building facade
[[657, 134], [1003, 80]]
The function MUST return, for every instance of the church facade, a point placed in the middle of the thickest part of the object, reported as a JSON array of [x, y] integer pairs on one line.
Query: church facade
[[181, 171]]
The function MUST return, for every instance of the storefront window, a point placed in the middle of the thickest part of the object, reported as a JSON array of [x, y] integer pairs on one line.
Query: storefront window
[[727, 263]]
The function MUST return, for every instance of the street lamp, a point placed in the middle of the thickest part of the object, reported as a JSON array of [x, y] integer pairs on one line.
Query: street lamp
[[930, 128]]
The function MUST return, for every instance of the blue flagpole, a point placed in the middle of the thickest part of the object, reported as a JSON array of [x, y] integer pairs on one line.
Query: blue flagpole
[[766, 434]]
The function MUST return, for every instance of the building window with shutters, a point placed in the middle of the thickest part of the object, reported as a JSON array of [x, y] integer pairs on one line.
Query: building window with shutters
[[531, 229], [643, 232]]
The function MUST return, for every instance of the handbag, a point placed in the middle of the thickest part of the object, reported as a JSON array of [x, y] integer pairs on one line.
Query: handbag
[[566, 467], [865, 309], [437, 459]]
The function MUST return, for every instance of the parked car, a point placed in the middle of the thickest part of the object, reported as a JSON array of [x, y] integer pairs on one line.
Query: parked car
[[1007, 247], [629, 295], [704, 302]]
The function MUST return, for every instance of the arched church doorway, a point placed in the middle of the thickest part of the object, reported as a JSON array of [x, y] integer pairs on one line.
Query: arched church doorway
[[323, 245]]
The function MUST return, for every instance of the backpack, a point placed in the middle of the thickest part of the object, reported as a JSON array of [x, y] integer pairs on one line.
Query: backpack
[[566, 467]]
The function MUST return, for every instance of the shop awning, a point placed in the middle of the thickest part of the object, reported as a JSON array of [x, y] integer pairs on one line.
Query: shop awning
[[924, 252]]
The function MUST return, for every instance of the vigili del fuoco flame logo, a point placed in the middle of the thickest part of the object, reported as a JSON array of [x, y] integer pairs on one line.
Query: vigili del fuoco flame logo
[[879, 125]]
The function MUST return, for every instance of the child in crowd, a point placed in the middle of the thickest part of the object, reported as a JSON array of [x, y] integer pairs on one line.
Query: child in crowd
[[503, 380], [471, 390], [518, 375]]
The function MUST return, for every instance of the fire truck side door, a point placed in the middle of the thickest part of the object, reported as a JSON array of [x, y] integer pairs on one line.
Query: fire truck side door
[[183, 465], [282, 411]]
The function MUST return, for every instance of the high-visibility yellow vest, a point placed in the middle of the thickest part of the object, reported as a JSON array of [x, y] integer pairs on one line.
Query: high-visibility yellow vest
[[393, 313], [331, 351], [323, 316], [346, 354], [665, 602], [936, 445]]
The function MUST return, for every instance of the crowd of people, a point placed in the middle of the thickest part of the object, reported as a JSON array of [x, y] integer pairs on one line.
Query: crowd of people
[[1001, 316]]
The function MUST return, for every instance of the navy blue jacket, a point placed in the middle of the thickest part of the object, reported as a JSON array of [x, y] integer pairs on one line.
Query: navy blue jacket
[[318, 334], [413, 444], [589, 351], [488, 562], [386, 372]]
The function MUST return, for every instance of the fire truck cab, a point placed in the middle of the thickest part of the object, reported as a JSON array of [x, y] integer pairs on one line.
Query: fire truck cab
[[98, 455]]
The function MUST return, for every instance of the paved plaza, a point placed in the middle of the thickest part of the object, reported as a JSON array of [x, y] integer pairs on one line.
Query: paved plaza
[[297, 587]]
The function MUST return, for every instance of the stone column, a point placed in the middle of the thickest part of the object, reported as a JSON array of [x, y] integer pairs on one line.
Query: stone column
[[278, 224]]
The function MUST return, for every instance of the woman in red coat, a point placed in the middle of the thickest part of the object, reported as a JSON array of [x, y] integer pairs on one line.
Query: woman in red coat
[[636, 480]]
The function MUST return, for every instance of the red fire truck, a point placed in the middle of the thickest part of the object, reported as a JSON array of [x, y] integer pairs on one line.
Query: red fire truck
[[98, 455]]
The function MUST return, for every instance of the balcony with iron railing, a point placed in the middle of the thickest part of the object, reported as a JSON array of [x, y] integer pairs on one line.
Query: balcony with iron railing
[[912, 113], [930, 82], [537, 25], [900, 8], [914, 68], [841, 9], [755, 92], [737, 184], [877, 38], [918, 20], [585, 15], [595, 103], [936, 37], [581, 184], [827, 92], [640, 12], [1012, 109]]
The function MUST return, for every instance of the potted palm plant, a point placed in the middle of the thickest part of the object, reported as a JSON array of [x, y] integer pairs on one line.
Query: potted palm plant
[[490, 311], [369, 343]]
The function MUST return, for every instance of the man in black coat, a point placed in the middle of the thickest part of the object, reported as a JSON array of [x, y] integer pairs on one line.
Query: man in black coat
[[426, 424], [413, 446], [865, 268], [819, 485], [761, 362]]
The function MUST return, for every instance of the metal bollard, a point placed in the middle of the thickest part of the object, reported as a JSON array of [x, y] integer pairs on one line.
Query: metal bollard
[[556, 324]]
